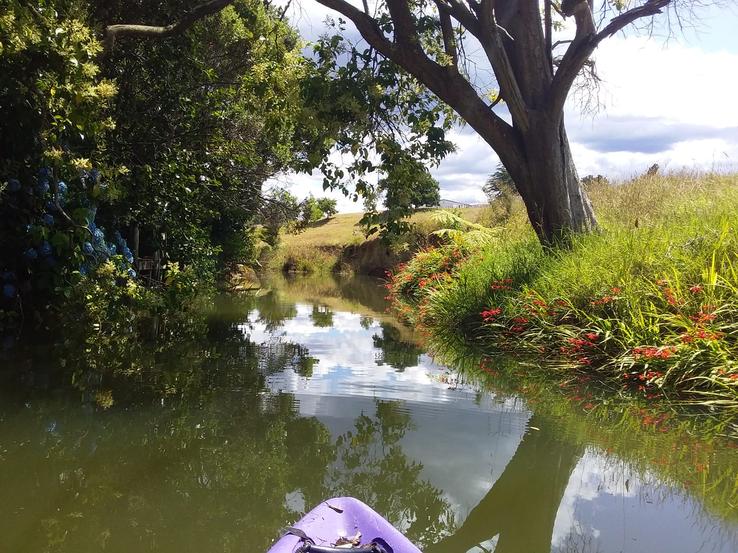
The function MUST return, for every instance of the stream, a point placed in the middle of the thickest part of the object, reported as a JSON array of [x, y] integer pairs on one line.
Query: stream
[[216, 440]]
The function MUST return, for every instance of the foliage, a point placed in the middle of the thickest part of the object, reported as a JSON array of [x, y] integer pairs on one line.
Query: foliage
[[203, 119], [499, 184], [407, 187], [314, 209], [365, 108], [649, 305]]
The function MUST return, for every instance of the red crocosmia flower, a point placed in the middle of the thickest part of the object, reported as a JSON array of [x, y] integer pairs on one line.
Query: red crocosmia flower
[[491, 313], [589, 406], [696, 289], [592, 336], [518, 328], [520, 320], [616, 290]]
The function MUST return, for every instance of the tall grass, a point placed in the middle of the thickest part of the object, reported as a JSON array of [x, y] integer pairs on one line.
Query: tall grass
[[649, 303]]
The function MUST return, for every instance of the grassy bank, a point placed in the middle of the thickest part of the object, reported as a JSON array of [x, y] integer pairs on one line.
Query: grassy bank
[[649, 304], [339, 245]]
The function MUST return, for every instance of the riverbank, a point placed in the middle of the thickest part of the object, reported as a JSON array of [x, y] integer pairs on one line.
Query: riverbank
[[339, 245], [648, 305]]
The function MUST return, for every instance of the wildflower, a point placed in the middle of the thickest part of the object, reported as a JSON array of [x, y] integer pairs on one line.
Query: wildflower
[[517, 329], [708, 335], [589, 406], [503, 284], [616, 290], [520, 320], [87, 248], [696, 289], [592, 336], [585, 360], [491, 313], [670, 297], [702, 318], [603, 300], [48, 219], [662, 282]]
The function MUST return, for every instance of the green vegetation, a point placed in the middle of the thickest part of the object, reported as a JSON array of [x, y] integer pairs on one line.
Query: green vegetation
[[340, 244], [649, 304]]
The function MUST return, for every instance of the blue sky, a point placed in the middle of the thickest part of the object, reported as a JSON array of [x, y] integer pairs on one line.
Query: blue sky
[[671, 102]]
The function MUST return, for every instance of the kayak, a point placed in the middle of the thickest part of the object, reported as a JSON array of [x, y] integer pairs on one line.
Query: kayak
[[340, 525]]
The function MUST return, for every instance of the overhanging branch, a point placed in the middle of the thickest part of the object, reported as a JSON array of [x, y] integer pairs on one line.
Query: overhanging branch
[[112, 32], [583, 46]]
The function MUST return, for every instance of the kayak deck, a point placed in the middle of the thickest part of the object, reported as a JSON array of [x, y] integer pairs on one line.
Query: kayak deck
[[342, 519]]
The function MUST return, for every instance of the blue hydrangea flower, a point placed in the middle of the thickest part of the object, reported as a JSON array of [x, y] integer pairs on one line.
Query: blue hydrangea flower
[[92, 226], [99, 235], [14, 185], [45, 248], [84, 269], [61, 187], [131, 273], [128, 255], [30, 254], [87, 248], [112, 249], [48, 219], [94, 175], [42, 187], [9, 291]]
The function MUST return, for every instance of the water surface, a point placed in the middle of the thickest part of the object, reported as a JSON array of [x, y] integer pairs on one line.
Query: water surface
[[217, 439]]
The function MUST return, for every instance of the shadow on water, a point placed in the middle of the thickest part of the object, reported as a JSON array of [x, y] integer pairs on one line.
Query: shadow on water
[[220, 433]]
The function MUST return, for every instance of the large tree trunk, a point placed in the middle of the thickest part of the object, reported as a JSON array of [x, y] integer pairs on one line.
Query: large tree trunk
[[544, 173]]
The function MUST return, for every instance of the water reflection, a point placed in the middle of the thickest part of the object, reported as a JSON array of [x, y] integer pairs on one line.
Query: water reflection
[[273, 403]]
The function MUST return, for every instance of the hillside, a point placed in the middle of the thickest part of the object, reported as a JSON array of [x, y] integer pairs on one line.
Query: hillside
[[339, 243]]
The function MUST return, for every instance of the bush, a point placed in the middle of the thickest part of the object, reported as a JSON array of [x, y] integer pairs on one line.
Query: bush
[[649, 304]]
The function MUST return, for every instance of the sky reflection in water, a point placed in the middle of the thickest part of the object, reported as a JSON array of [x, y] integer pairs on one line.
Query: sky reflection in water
[[284, 401]]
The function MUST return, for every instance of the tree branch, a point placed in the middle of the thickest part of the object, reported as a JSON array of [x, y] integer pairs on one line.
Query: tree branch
[[497, 55], [444, 81], [583, 45], [112, 32], [449, 40]]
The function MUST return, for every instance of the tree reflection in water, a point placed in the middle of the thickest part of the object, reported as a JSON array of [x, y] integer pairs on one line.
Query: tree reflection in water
[[520, 508]]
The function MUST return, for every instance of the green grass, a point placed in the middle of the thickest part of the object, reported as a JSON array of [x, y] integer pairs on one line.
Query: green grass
[[648, 304], [339, 245]]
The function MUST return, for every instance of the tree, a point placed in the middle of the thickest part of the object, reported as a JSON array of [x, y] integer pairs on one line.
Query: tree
[[280, 209], [426, 39], [310, 211], [499, 184], [203, 118], [327, 206]]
